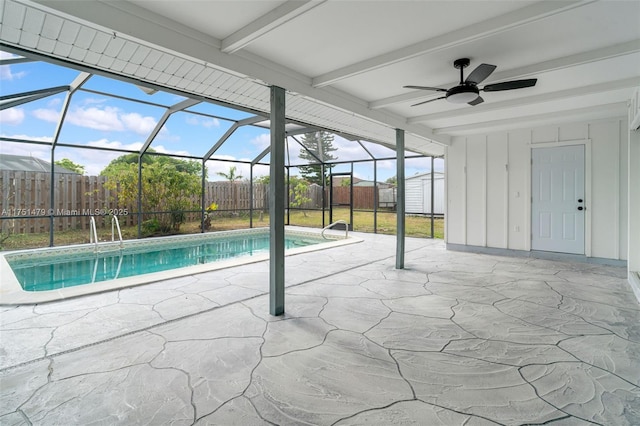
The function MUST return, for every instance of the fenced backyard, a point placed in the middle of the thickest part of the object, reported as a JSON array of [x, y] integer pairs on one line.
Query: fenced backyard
[[26, 208]]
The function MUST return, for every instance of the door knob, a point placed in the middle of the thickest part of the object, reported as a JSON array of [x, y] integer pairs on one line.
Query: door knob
[[579, 200], [580, 208]]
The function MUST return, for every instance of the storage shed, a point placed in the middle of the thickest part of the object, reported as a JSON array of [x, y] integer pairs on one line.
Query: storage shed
[[418, 193]]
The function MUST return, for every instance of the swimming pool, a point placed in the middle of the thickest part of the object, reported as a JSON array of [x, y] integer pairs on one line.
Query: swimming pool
[[34, 276]]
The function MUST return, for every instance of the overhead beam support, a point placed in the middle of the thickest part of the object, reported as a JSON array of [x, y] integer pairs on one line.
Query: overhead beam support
[[174, 108], [261, 156], [400, 204], [268, 22], [626, 83], [277, 191], [77, 83], [26, 97], [229, 132], [621, 49], [470, 33], [14, 61]]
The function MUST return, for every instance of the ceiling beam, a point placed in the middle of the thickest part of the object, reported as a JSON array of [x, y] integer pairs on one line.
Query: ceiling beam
[[470, 33], [523, 101], [268, 22], [529, 70], [592, 112]]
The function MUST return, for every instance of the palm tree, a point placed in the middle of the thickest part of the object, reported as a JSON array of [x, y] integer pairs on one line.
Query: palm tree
[[232, 177]]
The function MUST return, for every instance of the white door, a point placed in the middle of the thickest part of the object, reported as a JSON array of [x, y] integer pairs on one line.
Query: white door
[[558, 205]]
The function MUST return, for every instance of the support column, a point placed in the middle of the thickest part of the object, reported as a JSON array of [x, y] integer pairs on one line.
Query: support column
[[433, 187], [400, 204], [203, 203], [277, 205], [52, 196]]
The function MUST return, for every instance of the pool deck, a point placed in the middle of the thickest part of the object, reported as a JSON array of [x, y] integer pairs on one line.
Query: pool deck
[[453, 339]]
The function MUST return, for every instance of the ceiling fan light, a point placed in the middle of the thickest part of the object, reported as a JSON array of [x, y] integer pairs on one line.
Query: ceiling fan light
[[462, 97]]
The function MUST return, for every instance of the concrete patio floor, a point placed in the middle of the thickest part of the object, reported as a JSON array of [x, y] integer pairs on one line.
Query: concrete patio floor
[[453, 339]]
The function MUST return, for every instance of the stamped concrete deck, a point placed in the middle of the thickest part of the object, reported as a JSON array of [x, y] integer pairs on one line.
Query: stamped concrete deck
[[453, 339]]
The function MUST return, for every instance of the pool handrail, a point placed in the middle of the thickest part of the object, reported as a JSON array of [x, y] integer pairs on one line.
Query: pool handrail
[[93, 234], [346, 228], [114, 218]]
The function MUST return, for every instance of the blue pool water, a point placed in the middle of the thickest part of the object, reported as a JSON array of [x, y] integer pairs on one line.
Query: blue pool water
[[61, 271]]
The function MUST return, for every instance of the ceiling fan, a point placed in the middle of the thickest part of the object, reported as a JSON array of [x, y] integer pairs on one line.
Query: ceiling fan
[[468, 92]]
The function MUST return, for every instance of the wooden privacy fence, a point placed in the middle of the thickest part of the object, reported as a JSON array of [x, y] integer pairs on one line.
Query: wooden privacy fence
[[363, 196], [77, 197]]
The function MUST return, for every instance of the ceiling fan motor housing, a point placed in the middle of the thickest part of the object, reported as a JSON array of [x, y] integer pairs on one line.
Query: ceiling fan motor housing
[[463, 94]]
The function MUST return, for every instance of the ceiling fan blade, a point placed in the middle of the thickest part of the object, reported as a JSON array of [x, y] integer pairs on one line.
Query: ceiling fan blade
[[437, 89], [430, 100], [476, 101], [481, 72], [510, 85]]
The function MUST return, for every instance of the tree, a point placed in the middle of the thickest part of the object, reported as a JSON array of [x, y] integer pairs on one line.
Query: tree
[[393, 180], [298, 193], [70, 165], [189, 166], [168, 185], [231, 176], [298, 190], [319, 146]]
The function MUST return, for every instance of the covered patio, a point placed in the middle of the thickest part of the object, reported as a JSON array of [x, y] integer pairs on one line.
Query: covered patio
[[473, 330], [453, 339]]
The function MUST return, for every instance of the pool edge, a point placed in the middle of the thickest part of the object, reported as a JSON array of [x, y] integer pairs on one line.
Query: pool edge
[[12, 293]]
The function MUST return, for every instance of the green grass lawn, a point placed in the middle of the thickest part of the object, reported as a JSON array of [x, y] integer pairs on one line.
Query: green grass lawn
[[415, 226]]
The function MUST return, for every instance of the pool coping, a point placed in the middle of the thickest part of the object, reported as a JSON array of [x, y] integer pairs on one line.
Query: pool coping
[[12, 293]]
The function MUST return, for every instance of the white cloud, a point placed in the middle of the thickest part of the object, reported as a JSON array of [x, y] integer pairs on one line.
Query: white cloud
[[5, 70], [46, 114], [30, 138], [99, 118], [262, 141], [54, 102], [211, 122], [96, 118], [38, 151], [12, 116], [138, 124], [94, 101], [105, 143], [205, 122], [161, 149]]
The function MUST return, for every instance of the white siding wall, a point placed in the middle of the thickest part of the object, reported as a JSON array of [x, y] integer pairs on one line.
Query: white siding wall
[[489, 186], [633, 189], [418, 193]]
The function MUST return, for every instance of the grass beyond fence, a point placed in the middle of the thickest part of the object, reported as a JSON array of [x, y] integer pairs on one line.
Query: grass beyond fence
[[415, 226]]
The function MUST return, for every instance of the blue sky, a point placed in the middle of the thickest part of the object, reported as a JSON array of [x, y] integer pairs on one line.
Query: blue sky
[[97, 120]]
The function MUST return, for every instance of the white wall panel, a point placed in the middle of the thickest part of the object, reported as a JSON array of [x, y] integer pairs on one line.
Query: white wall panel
[[456, 192], [497, 191], [490, 204], [476, 190], [634, 200], [519, 189], [544, 134], [573, 132], [624, 185], [605, 138]]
